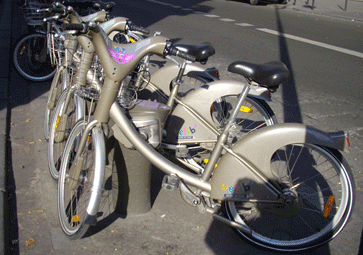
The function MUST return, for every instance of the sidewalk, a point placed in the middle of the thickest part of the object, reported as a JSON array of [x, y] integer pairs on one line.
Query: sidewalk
[[344, 9]]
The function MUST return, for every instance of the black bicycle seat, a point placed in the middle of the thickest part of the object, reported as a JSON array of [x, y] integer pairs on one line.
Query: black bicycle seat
[[270, 74], [201, 52]]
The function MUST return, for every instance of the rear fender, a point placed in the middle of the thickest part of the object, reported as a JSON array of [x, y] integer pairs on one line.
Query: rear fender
[[200, 101], [233, 179]]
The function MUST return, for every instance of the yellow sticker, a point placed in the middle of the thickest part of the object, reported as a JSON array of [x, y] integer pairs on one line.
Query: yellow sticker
[[56, 125], [246, 109], [76, 218]]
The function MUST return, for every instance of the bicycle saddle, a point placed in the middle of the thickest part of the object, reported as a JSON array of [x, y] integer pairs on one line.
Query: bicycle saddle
[[104, 6], [201, 52], [269, 75]]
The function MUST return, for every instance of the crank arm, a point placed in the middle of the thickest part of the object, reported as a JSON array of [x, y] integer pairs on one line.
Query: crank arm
[[233, 224]]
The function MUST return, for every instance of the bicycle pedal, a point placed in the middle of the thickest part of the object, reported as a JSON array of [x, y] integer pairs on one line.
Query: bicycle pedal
[[170, 182]]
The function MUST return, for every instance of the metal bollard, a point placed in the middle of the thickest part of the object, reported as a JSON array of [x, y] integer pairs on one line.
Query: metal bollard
[[131, 175]]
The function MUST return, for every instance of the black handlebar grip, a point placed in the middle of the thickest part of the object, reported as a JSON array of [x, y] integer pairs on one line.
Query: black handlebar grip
[[73, 26], [57, 10], [43, 5], [186, 56], [134, 27]]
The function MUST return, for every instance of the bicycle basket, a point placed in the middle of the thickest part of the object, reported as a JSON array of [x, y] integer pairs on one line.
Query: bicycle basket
[[31, 15], [135, 81], [61, 48]]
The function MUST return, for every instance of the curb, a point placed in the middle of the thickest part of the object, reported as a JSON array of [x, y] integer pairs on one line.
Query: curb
[[5, 46]]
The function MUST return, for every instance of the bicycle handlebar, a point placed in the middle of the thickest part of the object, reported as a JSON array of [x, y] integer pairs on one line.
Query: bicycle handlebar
[[74, 26], [57, 10], [134, 27]]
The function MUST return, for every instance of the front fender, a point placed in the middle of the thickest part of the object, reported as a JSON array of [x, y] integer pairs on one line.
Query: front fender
[[257, 149]]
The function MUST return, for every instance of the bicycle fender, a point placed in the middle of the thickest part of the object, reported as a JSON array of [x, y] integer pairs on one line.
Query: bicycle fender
[[200, 101], [233, 178]]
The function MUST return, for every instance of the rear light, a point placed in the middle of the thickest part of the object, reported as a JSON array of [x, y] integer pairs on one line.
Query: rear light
[[348, 141], [213, 72]]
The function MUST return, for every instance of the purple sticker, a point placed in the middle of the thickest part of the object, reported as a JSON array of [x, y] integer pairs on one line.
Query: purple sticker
[[148, 104], [121, 57]]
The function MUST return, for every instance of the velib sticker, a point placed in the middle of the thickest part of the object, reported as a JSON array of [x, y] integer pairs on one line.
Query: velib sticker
[[124, 53], [118, 54], [240, 190], [187, 132]]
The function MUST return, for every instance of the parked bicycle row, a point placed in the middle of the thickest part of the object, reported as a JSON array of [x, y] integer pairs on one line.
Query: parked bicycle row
[[281, 186]]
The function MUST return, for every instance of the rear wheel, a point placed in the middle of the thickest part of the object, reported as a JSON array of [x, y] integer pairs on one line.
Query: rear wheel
[[31, 59], [318, 189], [253, 114]]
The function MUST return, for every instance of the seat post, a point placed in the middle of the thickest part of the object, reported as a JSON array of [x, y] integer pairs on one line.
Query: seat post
[[176, 84]]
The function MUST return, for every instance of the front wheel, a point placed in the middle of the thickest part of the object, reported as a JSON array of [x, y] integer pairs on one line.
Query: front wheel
[[59, 132], [318, 188], [31, 59], [79, 195]]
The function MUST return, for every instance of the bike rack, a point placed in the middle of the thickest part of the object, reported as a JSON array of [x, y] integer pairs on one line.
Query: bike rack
[[131, 182]]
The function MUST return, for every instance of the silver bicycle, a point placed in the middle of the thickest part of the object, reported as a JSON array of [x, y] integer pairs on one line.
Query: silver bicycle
[[285, 187]]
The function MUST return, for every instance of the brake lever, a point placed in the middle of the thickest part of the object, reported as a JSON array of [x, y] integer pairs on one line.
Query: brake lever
[[172, 59], [58, 4], [43, 10], [56, 17]]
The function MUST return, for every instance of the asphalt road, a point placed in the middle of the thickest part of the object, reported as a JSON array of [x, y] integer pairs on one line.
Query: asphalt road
[[324, 56]]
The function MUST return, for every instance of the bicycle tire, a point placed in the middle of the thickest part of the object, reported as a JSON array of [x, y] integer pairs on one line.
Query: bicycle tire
[[56, 88], [325, 193], [56, 147], [77, 205], [25, 54]]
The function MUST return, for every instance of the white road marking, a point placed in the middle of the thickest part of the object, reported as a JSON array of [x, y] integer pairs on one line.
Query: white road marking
[[227, 20], [244, 24], [211, 16], [320, 44]]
